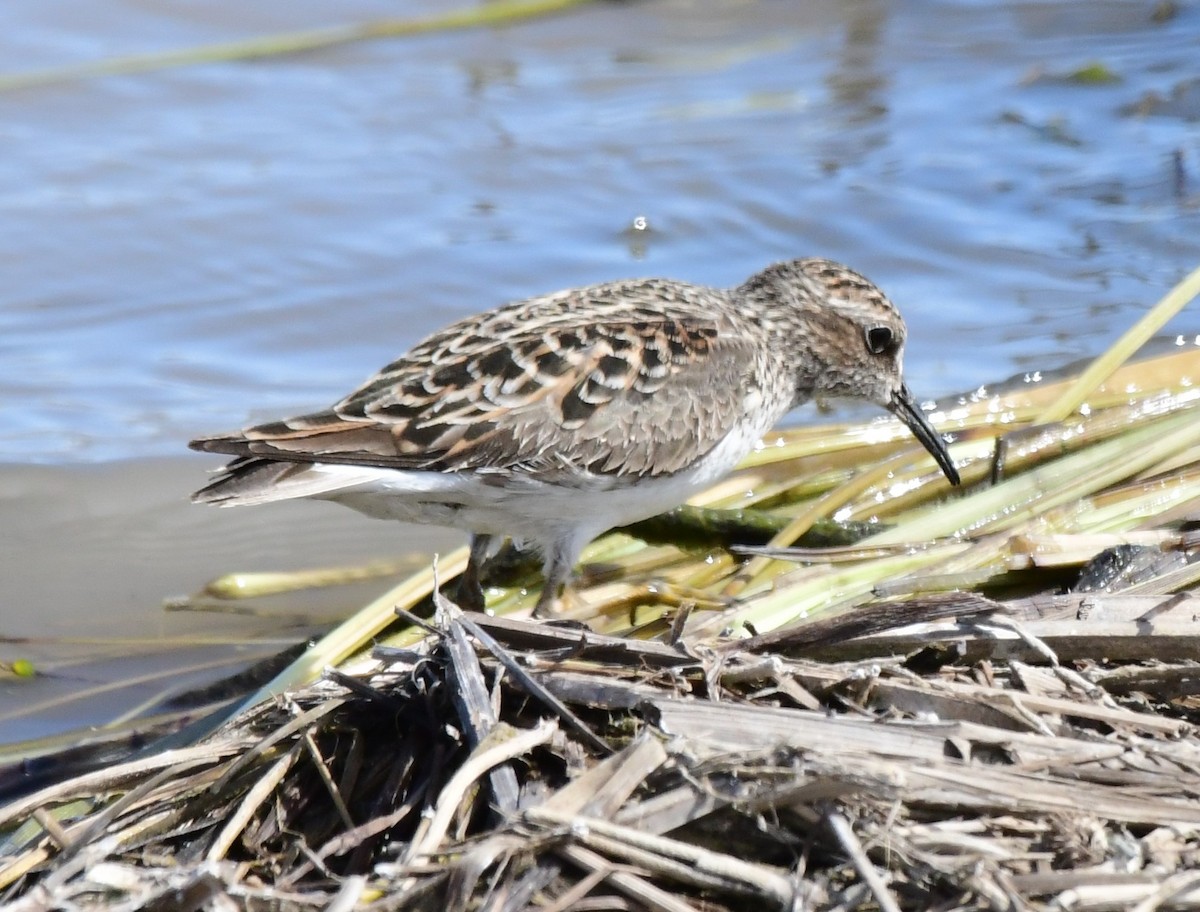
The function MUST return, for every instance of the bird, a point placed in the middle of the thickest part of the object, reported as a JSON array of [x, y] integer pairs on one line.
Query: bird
[[553, 419]]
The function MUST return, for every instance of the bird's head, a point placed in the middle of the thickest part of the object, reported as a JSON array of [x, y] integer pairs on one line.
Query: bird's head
[[847, 339]]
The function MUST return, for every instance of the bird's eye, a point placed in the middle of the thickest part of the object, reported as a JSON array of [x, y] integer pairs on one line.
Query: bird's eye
[[880, 339]]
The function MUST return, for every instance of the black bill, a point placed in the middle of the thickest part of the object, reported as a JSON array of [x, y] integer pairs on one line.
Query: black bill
[[906, 409]]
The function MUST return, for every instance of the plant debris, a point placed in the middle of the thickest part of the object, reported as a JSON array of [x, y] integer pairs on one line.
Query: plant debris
[[505, 763], [988, 702]]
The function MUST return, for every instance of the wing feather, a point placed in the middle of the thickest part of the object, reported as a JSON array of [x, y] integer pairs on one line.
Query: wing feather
[[639, 391]]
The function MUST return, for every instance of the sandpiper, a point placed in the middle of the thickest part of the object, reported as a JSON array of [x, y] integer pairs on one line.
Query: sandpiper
[[554, 419]]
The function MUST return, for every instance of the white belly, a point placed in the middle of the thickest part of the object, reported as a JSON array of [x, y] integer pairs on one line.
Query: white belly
[[521, 506]]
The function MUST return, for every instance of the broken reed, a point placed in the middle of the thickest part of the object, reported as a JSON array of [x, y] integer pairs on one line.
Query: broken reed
[[1000, 756], [1033, 459], [1133, 458]]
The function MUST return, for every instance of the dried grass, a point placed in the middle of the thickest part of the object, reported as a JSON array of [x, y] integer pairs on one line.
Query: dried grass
[[925, 718], [616, 774]]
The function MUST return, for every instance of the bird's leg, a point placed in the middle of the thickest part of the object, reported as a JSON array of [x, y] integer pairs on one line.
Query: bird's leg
[[470, 589], [548, 600], [560, 559]]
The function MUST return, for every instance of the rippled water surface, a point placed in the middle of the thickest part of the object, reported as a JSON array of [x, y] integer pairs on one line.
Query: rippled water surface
[[190, 248]]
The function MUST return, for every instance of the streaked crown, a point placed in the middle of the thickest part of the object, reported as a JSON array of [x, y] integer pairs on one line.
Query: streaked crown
[[847, 336]]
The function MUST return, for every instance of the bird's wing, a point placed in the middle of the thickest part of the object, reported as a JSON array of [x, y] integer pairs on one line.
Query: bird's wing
[[631, 395]]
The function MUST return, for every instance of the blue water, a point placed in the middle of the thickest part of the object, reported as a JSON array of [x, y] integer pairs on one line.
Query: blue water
[[189, 249]]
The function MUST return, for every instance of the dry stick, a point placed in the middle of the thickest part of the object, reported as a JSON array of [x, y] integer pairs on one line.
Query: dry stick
[[518, 892], [503, 744], [467, 874], [858, 857], [599, 791], [1069, 676], [351, 636], [704, 867], [346, 899], [994, 893], [471, 699], [534, 689], [351, 839], [581, 889], [69, 867], [568, 642], [335, 795], [1168, 891], [260, 747], [868, 619], [630, 884], [170, 764], [1105, 893], [52, 827], [361, 688], [83, 834], [254, 798]]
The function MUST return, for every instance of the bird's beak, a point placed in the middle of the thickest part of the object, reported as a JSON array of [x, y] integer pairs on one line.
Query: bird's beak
[[906, 409]]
